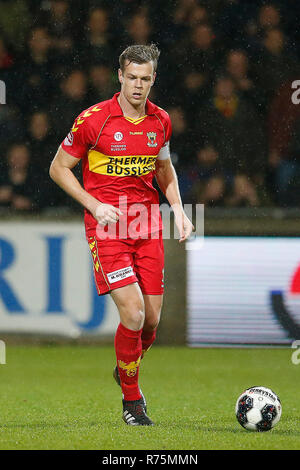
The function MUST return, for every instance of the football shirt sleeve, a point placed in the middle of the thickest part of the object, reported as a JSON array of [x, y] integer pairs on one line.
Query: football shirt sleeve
[[164, 152], [77, 142]]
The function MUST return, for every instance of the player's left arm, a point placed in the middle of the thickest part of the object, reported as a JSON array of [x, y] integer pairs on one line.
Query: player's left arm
[[167, 181]]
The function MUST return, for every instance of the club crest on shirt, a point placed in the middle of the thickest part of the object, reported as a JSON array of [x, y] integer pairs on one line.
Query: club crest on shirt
[[151, 139]]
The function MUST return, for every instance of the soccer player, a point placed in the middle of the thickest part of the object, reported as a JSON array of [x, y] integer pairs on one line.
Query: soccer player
[[123, 143]]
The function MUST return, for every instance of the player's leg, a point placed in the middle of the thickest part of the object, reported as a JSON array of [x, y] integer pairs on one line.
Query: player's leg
[[114, 273], [128, 347], [131, 309], [128, 342], [153, 306], [130, 303], [149, 269]]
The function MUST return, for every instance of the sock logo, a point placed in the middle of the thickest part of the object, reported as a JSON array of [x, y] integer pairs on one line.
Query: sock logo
[[131, 368]]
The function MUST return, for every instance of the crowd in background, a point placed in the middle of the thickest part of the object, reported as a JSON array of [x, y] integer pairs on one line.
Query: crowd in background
[[225, 77]]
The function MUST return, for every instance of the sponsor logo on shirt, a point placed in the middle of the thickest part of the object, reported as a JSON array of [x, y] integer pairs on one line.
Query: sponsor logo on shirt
[[118, 136], [118, 147], [136, 165]]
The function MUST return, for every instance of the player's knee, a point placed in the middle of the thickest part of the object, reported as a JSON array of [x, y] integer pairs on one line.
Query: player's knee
[[138, 318], [151, 324], [152, 316], [133, 315]]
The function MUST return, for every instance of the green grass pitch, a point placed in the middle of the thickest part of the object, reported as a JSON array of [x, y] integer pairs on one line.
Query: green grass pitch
[[64, 397]]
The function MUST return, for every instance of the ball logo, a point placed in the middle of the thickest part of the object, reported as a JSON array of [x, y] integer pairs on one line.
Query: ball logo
[[257, 412], [118, 136]]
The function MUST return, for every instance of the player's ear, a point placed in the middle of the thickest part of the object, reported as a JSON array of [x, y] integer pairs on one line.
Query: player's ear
[[153, 78], [120, 76]]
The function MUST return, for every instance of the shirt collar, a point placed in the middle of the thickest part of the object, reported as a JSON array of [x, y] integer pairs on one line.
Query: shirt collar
[[115, 108]]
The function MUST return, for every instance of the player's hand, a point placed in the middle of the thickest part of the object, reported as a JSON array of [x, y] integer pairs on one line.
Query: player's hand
[[107, 214], [184, 225]]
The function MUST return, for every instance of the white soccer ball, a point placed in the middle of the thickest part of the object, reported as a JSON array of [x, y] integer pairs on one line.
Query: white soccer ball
[[258, 409]]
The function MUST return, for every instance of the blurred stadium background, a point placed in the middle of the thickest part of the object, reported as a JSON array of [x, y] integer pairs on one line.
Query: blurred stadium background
[[225, 76]]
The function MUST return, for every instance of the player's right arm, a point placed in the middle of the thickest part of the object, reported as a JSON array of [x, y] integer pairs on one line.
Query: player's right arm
[[61, 173]]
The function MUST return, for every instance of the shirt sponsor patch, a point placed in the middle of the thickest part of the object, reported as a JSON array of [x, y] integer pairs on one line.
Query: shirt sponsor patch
[[120, 274], [137, 165], [69, 139], [118, 147]]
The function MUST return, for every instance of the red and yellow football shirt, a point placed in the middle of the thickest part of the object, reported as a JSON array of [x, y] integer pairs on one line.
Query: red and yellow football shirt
[[119, 153]]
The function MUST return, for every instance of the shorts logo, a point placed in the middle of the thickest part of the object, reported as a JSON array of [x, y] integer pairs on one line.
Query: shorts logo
[[118, 136], [69, 139], [131, 368], [120, 274], [151, 139]]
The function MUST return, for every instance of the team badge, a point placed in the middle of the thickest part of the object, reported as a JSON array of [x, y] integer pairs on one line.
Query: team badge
[[151, 139], [118, 136], [131, 368]]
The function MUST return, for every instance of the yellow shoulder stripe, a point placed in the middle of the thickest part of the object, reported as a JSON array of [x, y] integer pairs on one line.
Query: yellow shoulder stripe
[[87, 113]]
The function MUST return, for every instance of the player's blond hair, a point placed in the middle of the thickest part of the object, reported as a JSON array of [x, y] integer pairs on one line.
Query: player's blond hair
[[140, 54]]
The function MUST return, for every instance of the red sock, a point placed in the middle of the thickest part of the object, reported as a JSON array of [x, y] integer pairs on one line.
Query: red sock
[[148, 338], [128, 347]]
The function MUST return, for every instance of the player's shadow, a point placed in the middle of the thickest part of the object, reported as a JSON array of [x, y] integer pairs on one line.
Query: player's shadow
[[201, 428], [47, 424], [227, 429], [184, 426]]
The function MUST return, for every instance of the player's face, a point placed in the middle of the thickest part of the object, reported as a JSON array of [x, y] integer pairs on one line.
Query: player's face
[[136, 81]]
